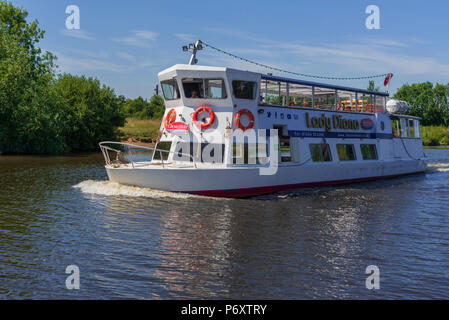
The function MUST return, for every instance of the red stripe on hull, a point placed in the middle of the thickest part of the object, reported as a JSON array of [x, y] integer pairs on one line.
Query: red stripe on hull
[[249, 192]]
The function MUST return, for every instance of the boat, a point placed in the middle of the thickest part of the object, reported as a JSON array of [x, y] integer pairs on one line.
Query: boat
[[235, 133]]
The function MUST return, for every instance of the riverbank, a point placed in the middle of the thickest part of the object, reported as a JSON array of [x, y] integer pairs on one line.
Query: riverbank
[[140, 132], [435, 136]]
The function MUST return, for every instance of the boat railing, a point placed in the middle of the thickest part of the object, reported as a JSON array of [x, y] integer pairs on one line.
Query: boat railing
[[106, 148]]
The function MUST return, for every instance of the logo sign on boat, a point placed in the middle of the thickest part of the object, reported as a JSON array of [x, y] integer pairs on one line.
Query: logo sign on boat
[[367, 124], [178, 127], [329, 123]]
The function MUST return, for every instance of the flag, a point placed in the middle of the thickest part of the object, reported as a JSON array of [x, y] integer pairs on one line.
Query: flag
[[387, 79]]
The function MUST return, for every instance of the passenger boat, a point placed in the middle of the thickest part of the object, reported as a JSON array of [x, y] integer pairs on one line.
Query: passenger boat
[[234, 133]]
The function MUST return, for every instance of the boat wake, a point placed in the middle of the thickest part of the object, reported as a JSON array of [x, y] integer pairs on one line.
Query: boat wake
[[109, 188], [438, 167]]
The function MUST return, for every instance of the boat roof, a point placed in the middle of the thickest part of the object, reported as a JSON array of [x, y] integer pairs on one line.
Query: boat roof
[[188, 67], [322, 85]]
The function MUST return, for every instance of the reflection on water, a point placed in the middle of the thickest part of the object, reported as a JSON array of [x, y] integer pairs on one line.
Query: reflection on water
[[144, 244]]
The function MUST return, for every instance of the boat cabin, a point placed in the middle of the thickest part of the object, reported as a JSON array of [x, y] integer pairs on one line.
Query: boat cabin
[[321, 122]]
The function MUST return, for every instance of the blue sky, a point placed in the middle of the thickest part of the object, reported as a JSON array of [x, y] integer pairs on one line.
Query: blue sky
[[126, 43]]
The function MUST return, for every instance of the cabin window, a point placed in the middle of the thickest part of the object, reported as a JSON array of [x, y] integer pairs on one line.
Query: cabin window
[[203, 152], [416, 129], [320, 152], [369, 151], [411, 128], [404, 130], [170, 89], [244, 89], [284, 145], [196, 88], [346, 152], [244, 153]]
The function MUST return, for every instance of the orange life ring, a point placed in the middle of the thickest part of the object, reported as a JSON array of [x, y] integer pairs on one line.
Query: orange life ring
[[238, 122], [204, 125], [170, 118]]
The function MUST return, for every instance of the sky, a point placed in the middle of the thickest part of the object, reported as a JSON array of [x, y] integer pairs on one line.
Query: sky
[[126, 43]]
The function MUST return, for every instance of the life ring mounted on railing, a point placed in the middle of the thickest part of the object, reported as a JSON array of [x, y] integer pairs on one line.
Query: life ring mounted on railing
[[203, 124], [170, 118], [238, 122]]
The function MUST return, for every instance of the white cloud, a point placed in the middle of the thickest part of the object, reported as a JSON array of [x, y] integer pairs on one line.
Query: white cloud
[[186, 37], [345, 58], [77, 65], [91, 54], [145, 34], [139, 38], [80, 34], [126, 56]]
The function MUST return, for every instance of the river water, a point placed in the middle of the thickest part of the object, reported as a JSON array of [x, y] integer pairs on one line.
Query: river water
[[142, 244]]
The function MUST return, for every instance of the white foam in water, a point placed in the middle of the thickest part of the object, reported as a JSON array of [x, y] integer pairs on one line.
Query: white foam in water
[[438, 166], [109, 188]]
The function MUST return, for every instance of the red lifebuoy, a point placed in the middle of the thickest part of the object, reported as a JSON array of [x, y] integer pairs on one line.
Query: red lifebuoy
[[201, 124], [170, 118], [239, 124]]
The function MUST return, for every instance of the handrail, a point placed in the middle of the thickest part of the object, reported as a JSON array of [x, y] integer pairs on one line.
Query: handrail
[[104, 149]]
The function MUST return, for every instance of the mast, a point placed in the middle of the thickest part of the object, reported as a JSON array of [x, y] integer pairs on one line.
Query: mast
[[194, 47]]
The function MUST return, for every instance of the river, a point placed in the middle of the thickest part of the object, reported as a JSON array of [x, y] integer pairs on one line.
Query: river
[[133, 243]]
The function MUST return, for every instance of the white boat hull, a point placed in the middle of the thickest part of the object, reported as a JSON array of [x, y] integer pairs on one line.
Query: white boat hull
[[247, 181]]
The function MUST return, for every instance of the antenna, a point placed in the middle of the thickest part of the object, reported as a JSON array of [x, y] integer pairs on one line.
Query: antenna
[[194, 47]]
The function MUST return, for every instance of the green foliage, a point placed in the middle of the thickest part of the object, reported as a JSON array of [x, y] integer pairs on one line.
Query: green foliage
[[435, 135], [40, 113], [157, 107], [142, 109], [372, 86], [427, 101], [92, 112], [27, 116]]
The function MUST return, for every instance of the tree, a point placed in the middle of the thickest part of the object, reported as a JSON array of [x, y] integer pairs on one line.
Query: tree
[[142, 109], [427, 101], [157, 106], [27, 115], [92, 112], [40, 113], [372, 86], [134, 108]]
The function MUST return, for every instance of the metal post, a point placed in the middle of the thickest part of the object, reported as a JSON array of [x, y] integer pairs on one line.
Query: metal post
[[266, 91], [197, 46], [280, 98], [313, 97], [356, 102], [336, 99], [288, 93]]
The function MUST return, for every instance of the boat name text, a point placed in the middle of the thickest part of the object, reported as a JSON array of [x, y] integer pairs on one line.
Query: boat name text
[[329, 123]]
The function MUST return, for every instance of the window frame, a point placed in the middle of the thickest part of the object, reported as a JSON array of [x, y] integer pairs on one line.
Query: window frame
[[353, 151], [175, 80], [204, 88], [254, 92], [375, 149], [319, 145]]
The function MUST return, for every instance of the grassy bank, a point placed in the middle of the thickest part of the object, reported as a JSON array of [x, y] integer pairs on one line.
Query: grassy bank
[[435, 136], [140, 130]]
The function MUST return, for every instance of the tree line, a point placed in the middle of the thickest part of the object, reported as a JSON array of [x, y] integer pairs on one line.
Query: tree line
[[43, 112], [428, 101]]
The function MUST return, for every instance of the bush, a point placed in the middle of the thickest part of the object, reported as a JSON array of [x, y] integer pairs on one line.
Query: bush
[[40, 113], [92, 112], [435, 135], [428, 101], [142, 109]]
